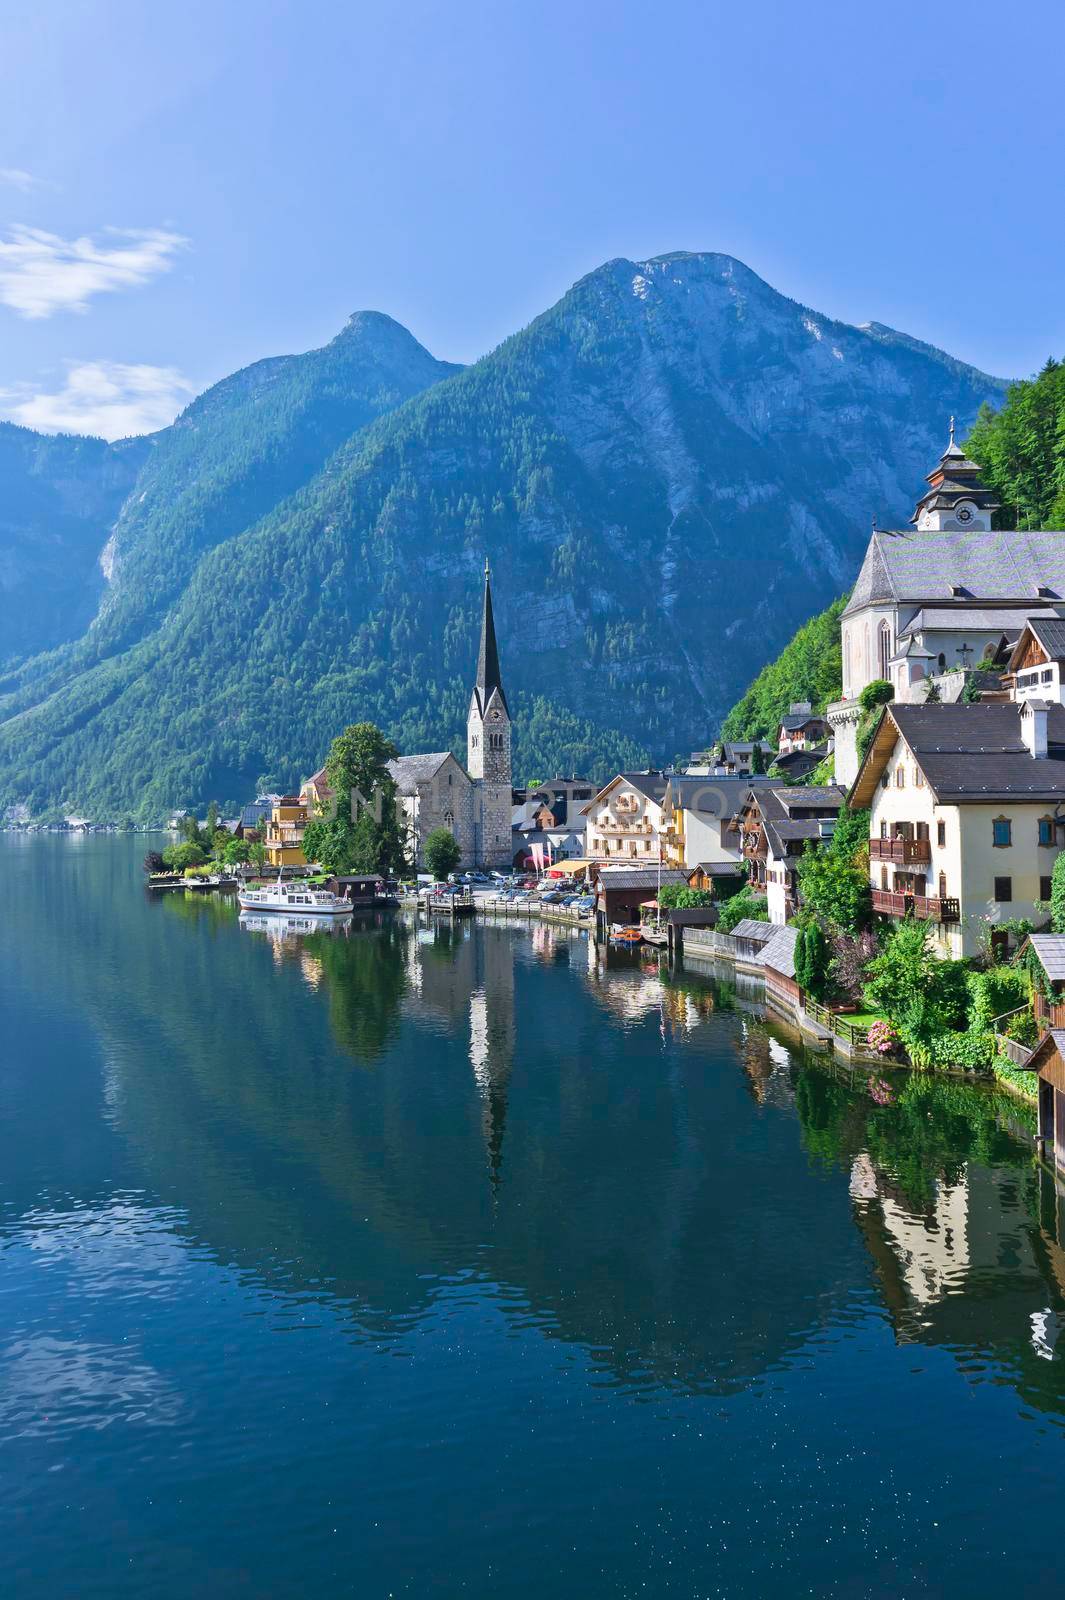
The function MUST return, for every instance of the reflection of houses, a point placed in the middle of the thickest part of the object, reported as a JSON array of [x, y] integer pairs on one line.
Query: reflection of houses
[[627, 820], [964, 814], [940, 596]]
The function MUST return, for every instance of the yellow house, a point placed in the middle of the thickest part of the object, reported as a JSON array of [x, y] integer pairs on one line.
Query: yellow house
[[967, 813], [283, 832]]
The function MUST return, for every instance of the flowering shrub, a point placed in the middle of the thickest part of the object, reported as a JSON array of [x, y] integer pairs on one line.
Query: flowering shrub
[[882, 1038]]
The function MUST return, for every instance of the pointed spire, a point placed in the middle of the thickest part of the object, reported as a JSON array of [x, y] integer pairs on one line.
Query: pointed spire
[[488, 674], [951, 445]]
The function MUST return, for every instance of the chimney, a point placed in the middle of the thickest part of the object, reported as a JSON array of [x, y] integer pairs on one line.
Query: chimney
[[1034, 727]]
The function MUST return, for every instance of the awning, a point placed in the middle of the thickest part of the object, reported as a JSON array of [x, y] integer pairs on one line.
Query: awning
[[565, 868]]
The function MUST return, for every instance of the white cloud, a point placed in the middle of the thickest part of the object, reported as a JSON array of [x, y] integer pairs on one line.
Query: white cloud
[[107, 398], [40, 273], [15, 178]]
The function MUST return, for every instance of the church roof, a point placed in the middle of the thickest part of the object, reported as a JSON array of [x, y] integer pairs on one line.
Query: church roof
[[489, 678], [922, 565], [409, 771]]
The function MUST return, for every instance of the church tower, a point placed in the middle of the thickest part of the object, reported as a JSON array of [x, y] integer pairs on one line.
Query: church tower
[[488, 747], [956, 501]]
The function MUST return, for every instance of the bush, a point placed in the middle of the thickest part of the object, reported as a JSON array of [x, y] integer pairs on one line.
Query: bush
[[834, 877], [741, 906], [442, 853], [812, 956], [179, 857], [876, 694], [679, 897], [153, 861]]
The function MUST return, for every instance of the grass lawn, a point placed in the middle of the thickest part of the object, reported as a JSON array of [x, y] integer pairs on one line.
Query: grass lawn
[[863, 1019]]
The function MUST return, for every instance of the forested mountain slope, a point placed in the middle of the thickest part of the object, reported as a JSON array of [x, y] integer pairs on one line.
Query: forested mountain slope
[[669, 471]]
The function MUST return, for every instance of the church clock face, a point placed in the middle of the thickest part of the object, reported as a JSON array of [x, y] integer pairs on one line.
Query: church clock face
[[495, 716], [965, 514]]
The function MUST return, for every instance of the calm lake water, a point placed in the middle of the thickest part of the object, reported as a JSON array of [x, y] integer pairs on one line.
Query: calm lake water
[[473, 1262]]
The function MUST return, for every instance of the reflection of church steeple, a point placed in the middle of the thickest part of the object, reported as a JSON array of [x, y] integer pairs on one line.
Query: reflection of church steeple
[[492, 1044]]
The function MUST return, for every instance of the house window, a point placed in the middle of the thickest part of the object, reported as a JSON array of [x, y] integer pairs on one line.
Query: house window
[[1047, 675], [883, 878], [918, 778], [1001, 833], [1046, 830], [941, 834], [883, 830], [900, 777], [1044, 888], [942, 886], [942, 662], [1003, 889]]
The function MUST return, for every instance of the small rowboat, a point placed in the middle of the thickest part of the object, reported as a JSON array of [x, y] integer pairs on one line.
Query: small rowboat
[[626, 935]]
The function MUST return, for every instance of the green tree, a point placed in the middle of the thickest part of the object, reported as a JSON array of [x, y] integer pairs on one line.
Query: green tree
[[234, 851], [365, 834], [441, 852], [743, 906], [1057, 894], [677, 896], [834, 877], [757, 761], [257, 854], [812, 958], [1021, 448], [180, 856], [810, 667]]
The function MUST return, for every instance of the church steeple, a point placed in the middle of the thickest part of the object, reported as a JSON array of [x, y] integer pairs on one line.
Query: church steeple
[[956, 499], [489, 678]]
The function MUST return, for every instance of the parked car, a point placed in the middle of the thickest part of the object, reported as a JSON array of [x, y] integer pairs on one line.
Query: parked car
[[550, 897]]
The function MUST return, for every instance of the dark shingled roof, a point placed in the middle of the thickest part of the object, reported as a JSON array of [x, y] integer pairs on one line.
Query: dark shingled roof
[[790, 723], [751, 928], [1050, 948], [713, 796], [922, 566], [1051, 635], [640, 877], [977, 753], [409, 771], [489, 679], [779, 952]]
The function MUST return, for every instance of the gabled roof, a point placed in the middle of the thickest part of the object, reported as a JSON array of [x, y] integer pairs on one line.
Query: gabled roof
[[1050, 951], [969, 753], [1050, 634], [803, 720], [652, 785], [1053, 1040], [779, 951], [921, 566], [409, 771], [712, 796], [640, 877], [751, 928]]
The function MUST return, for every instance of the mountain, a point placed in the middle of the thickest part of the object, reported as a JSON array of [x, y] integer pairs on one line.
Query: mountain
[[59, 498], [810, 667], [670, 470]]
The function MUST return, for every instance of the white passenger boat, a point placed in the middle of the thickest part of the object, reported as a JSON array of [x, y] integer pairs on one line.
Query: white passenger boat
[[295, 898]]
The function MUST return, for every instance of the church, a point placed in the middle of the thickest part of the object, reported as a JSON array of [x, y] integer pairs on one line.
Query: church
[[474, 802]]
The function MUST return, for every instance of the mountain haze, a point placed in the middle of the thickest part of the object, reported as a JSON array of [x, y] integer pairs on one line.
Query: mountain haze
[[669, 470]]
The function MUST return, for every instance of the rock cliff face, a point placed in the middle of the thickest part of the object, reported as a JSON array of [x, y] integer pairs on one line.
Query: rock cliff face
[[58, 500], [670, 470]]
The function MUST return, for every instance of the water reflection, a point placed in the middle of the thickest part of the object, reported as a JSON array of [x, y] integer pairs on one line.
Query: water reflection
[[365, 1115]]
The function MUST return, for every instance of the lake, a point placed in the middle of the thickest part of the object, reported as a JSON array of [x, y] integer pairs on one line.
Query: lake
[[476, 1261]]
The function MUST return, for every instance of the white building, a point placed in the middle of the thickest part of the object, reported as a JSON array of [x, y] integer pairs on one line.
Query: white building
[[627, 819], [702, 815], [965, 805], [1037, 666], [941, 596]]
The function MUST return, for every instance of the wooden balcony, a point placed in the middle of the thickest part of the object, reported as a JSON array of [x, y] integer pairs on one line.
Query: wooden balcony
[[927, 908], [903, 852]]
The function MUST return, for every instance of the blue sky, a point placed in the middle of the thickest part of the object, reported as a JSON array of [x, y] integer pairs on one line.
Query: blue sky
[[184, 189]]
